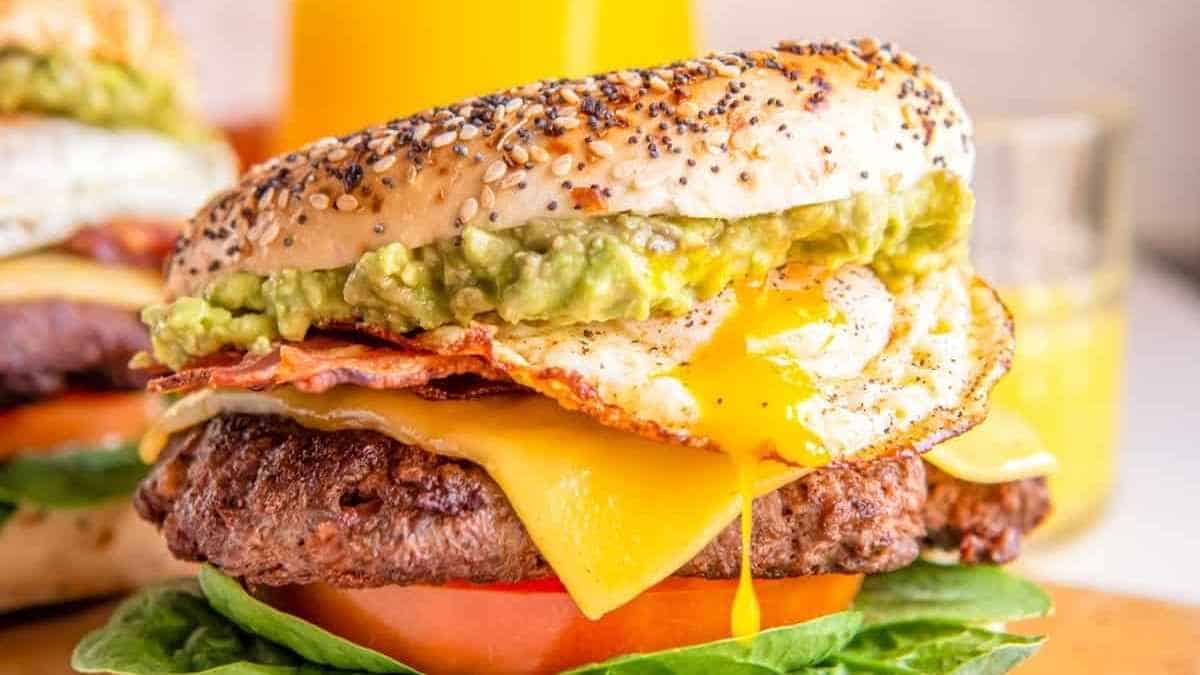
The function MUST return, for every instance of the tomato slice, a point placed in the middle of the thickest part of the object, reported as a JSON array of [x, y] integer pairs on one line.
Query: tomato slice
[[535, 627], [76, 418]]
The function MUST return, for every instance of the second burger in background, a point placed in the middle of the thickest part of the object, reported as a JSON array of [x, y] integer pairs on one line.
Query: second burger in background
[[102, 155]]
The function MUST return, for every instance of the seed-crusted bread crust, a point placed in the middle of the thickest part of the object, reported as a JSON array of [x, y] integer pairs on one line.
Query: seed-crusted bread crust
[[729, 135]]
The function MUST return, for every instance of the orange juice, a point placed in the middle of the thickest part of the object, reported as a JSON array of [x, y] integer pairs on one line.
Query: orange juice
[[1065, 382], [367, 61]]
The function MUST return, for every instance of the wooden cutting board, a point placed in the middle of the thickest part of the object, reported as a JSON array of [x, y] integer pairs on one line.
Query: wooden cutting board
[[1091, 632]]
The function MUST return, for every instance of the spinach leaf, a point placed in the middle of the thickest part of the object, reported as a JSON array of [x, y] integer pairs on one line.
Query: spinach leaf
[[972, 595], [779, 650], [170, 629], [73, 479], [6, 511], [917, 621], [929, 648], [227, 597]]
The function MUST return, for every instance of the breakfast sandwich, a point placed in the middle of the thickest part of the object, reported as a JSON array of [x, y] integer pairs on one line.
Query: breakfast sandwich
[[635, 371], [102, 158]]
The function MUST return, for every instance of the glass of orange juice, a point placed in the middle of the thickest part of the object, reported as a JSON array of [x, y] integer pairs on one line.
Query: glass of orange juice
[[357, 63], [1053, 234]]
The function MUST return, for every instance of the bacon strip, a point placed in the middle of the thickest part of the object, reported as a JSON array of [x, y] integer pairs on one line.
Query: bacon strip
[[320, 364], [128, 242]]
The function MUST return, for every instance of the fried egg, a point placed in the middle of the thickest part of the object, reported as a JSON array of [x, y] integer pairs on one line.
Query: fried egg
[[57, 175], [811, 366]]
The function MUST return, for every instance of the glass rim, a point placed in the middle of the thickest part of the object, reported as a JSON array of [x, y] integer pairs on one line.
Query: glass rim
[[1067, 122]]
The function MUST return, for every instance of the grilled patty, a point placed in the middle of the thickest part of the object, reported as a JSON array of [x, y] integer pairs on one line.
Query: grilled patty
[[274, 503], [54, 345]]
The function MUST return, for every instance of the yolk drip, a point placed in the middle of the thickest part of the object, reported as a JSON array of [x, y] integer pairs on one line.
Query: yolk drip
[[748, 394], [746, 618]]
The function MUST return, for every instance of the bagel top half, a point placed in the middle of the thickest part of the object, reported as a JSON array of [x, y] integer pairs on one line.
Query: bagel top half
[[725, 136]]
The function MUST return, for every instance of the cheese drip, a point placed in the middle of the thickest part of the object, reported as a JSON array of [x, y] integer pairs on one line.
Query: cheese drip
[[746, 393], [611, 512]]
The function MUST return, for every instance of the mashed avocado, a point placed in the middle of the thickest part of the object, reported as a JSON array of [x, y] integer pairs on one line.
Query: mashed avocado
[[94, 92], [570, 271]]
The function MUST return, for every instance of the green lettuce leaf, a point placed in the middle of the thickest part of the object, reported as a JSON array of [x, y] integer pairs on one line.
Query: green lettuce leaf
[[979, 594], [918, 621], [73, 479], [227, 597], [929, 648], [779, 650], [6, 511], [170, 629]]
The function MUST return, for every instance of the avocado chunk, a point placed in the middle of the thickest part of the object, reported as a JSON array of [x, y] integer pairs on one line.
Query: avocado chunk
[[94, 92], [622, 266]]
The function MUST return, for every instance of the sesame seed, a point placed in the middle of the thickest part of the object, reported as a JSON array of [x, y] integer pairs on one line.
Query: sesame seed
[[601, 148], [379, 228], [469, 208], [487, 198], [265, 201], [569, 95], [383, 164], [468, 132], [444, 138], [337, 155], [566, 122], [319, 201], [495, 171], [539, 154], [552, 206], [520, 154], [687, 110], [347, 203], [493, 216], [562, 165], [421, 131], [513, 179]]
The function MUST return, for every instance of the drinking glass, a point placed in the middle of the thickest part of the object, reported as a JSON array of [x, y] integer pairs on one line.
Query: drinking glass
[[1053, 234], [368, 61]]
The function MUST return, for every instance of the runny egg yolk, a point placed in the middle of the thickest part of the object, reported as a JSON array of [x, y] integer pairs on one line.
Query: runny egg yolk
[[747, 396]]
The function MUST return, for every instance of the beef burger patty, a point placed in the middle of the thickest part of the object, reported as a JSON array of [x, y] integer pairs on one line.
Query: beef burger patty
[[275, 503], [53, 345]]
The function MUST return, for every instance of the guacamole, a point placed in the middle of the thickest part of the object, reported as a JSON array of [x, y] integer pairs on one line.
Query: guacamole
[[91, 91], [569, 271]]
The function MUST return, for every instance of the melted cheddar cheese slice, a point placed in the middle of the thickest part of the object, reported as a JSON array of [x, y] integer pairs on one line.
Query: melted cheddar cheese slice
[[612, 513], [44, 276], [1002, 448]]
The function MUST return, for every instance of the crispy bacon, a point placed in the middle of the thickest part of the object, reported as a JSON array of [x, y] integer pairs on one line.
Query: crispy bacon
[[132, 243], [319, 364]]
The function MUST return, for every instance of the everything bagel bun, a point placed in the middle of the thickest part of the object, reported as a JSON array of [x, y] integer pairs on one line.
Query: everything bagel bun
[[726, 136], [130, 33]]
